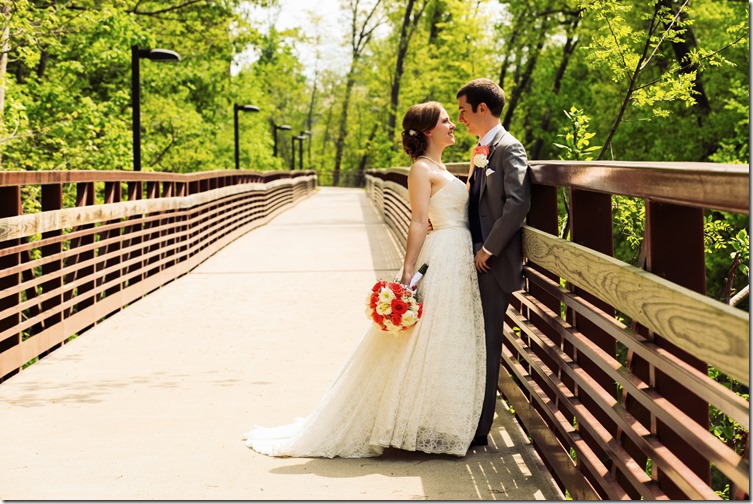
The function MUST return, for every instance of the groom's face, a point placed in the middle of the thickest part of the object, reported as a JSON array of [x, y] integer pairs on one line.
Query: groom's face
[[468, 117]]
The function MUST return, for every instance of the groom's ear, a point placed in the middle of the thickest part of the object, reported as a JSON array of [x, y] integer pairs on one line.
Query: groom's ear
[[482, 107]]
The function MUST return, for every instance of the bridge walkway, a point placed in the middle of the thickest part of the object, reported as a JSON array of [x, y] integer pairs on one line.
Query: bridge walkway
[[151, 403]]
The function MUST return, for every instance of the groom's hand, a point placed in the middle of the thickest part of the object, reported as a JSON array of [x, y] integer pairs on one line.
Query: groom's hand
[[481, 260]]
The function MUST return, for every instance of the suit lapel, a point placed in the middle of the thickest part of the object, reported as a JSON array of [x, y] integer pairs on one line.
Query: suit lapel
[[492, 148]]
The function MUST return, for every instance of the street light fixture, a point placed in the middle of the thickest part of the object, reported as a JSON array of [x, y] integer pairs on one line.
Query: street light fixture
[[309, 135], [236, 108], [275, 127], [136, 54]]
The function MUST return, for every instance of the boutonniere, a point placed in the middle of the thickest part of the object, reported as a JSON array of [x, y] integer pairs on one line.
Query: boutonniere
[[481, 156]]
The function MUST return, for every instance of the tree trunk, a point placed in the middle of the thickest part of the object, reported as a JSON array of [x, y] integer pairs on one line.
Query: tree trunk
[[360, 36], [436, 18], [525, 78], [631, 88], [5, 11], [567, 52], [325, 138], [406, 32], [517, 29], [343, 130], [365, 157], [682, 51]]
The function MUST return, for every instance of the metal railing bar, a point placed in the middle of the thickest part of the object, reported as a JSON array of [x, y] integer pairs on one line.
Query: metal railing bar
[[704, 442], [709, 390]]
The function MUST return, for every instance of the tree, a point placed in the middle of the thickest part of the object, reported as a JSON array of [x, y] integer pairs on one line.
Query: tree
[[363, 23], [628, 51], [408, 27]]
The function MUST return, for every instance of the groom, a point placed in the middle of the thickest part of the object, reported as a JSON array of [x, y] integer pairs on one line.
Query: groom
[[499, 201]]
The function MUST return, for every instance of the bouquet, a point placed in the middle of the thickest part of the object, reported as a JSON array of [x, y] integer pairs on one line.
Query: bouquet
[[393, 306]]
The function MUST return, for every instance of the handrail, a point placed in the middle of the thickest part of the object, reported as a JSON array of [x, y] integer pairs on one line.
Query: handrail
[[705, 185], [610, 426], [63, 270]]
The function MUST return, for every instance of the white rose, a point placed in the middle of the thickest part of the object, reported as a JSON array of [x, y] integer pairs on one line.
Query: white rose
[[389, 325], [480, 160], [384, 308], [386, 295], [409, 318]]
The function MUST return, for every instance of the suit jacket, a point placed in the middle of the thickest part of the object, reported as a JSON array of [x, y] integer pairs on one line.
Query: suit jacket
[[504, 201]]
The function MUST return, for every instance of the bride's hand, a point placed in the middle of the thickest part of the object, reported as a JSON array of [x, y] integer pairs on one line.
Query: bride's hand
[[406, 278]]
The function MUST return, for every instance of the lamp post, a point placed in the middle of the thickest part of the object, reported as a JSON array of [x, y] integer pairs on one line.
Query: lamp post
[[136, 54], [236, 108], [275, 127], [309, 135], [300, 151]]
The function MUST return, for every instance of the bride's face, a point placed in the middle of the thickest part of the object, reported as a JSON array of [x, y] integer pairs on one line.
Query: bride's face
[[443, 133]]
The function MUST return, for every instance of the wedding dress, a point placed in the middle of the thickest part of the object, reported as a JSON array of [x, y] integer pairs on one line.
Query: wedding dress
[[418, 389]]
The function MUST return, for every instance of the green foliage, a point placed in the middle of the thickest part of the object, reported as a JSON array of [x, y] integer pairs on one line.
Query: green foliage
[[727, 430], [576, 137], [629, 226], [67, 101]]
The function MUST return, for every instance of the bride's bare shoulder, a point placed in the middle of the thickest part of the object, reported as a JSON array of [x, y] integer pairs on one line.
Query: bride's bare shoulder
[[420, 167]]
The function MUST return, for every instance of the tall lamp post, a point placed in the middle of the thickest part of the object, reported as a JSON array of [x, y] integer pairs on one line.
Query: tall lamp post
[[309, 135], [300, 151], [236, 108], [136, 54], [276, 127]]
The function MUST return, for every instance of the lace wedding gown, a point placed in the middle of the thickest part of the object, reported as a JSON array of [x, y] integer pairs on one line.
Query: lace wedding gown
[[419, 389]]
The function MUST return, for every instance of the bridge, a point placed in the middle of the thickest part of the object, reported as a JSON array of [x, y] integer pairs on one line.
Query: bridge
[[146, 320]]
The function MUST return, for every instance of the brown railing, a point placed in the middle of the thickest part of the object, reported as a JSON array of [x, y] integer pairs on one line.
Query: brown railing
[[93, 241], [620, 410]]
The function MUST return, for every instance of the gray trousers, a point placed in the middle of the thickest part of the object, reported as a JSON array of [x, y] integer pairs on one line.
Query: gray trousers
[[494, 303]]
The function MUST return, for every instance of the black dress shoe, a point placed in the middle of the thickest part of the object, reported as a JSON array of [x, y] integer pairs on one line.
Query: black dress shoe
[[480, 441]]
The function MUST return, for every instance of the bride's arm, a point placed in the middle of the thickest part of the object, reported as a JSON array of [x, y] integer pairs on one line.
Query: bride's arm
[[468, 180], [419, 193]]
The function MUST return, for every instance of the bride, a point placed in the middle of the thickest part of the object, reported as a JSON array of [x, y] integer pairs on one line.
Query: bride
[[421, 388]]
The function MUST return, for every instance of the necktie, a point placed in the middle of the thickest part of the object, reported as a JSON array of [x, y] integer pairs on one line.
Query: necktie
[[478, 172]]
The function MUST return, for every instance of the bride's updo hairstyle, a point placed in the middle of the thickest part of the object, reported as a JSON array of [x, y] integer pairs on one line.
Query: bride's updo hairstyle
[[417, 121]]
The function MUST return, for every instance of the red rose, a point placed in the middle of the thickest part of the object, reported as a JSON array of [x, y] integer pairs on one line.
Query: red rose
[[374, 299], [378, 318], [397, 319], [420, 310], [481, 149], [378, 286], [399, 307], [396, 288]]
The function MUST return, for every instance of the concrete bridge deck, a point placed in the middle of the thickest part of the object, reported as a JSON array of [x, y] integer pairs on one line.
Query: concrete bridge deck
[[152, 402]]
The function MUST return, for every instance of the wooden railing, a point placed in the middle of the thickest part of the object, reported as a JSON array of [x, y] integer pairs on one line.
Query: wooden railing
[[93, 241], [620, 410]]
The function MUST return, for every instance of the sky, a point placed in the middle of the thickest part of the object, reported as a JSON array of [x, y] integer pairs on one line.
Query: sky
[[299, 14]]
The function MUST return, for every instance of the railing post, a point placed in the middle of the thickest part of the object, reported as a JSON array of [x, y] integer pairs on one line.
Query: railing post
[[113, 194], [591, 226], [135, 192], [168, 191], [84, 197], [152, 192], [10, 206], [52, 199], [543, 215], [670, 228]]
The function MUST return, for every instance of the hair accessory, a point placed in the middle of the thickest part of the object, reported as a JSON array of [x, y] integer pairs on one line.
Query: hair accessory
[[412, 132]]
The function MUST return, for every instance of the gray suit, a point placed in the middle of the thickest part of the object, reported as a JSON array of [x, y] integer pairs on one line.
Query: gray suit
[[504, 201]]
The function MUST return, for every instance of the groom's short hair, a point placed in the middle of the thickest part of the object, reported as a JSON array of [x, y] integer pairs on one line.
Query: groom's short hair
[[484, 91]]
